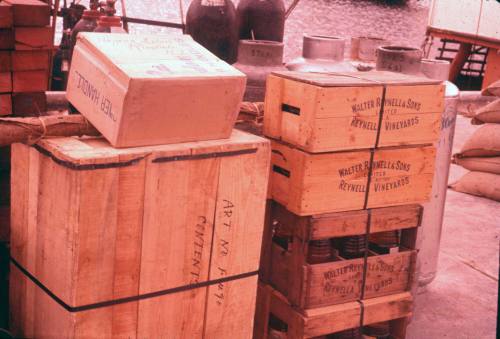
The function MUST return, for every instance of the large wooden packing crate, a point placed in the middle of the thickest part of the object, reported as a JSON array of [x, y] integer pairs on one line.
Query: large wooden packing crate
[[343, 111], [95, 224], [173, 87], [309, 285], [312, 183], [322, 321]]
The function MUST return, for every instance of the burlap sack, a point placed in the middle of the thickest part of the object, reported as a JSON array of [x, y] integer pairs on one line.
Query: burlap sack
[[485, 142], [480, 184], [493, 89], [486, 164], [489, 113]]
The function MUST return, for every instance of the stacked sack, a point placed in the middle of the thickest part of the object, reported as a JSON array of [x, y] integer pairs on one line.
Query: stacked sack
[[481, 153]]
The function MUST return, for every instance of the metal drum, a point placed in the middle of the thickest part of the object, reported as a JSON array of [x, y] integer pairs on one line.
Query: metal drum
[[258, 58], [399, 59], [212, 23], [321, 54], [261, 19], [88, 23], [365, 48], [432, 221]]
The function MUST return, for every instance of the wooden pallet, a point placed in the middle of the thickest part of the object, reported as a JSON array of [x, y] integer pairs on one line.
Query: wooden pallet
[[312, 285], [94, 224], [321, 321], [325, 112], [315, 183]]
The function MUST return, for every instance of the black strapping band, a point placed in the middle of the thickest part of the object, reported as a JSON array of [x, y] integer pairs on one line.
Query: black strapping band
[[128, 299], [369, 211], [86, 167], [205, 155]]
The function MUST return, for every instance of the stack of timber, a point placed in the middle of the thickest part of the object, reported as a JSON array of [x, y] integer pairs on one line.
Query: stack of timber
[[146, 242], [25, 48], [25, 43], [352, 159]]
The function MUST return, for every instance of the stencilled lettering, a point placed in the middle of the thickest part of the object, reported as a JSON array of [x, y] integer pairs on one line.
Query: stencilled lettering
[[93, 94], [198, 245]]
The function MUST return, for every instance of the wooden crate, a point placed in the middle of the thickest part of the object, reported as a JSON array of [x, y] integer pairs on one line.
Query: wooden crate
[[170, 85], [312, 285], [93, 223], [324, 113], [308, 183], [30, 12], [321, 321], [32, 60]]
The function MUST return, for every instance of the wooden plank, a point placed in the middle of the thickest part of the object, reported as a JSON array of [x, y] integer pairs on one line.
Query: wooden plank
[[30, 81], [33, 38], [492, 72], [234, 317], [128, 248], [30, 12], [184, 226], [488, 22], [6, 15], [5, 64], [238, 229], [459, 60], [387, 308], [330, 319], [5, 82], [463, 37], [24, 234], [450, 15], [31, 60], [341, 224], [29, 104], [6, 39], [5, 104]]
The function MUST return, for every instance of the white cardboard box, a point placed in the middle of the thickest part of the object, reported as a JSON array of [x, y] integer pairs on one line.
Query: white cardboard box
[[140, 90]]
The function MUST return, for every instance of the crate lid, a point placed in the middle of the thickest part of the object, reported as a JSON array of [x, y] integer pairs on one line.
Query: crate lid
[[347, 79], [156, 56], [83, 153]]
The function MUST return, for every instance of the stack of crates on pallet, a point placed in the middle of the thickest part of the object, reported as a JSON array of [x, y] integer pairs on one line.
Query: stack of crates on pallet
[[25, 48], [159, 240], [352, 159]]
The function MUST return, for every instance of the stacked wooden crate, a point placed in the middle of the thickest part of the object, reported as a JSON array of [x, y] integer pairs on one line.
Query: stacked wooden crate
[[158, 241], [25, 44], [352, 158]]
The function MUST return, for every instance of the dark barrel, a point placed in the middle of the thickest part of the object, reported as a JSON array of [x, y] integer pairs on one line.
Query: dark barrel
[[261, 19], [212, 23]]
